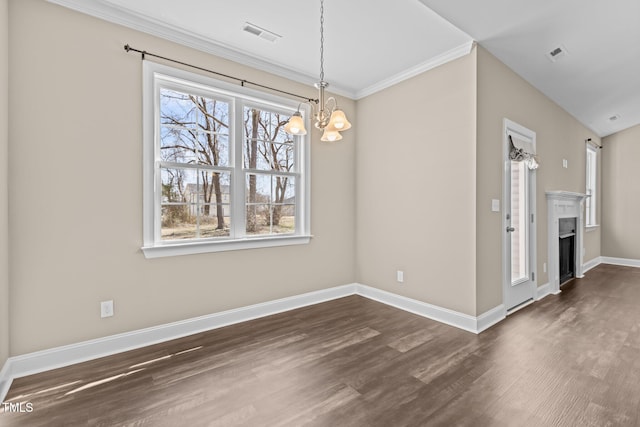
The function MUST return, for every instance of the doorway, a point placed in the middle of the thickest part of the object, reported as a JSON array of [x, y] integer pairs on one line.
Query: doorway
[[519, 219]]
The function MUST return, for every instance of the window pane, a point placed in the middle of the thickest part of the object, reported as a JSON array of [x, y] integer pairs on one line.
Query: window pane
[[519, 237], [176, 108], [258, 189], [213, 149], [215, 220], [178, 185], [179, 222], [177, 145], [194, 129], [214, 201], [284, 189], [258, 219], [270, 204], [267, 146], [590, 202], [215, 186], [195, 203]]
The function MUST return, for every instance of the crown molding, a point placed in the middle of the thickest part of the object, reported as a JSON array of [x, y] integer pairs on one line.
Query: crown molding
[[128, 18], [131, 19], [432, 63]]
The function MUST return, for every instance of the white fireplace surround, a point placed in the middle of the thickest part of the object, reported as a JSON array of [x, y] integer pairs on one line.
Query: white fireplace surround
[[564, 204]]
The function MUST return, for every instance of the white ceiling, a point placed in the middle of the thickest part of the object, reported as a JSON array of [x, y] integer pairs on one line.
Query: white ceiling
[[372, 44], [600, 75]]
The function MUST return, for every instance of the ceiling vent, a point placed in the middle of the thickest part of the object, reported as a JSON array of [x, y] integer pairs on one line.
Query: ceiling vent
[[557, 53], [261, 32]]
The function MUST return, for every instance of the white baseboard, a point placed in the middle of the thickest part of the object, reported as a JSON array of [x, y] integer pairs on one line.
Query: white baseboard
[[58, 357], [621, 261], [443, 315], [45, 360], [5, 380], [543, 291], [490, 318], [591, 264], [434, 312]]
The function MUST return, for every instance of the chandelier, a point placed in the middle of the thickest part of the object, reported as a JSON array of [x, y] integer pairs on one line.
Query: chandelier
[[328, 117]]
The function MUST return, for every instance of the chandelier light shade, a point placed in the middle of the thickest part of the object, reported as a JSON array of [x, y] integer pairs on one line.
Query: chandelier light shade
[[339, 120], [330, 135], [327, 116], [295, 125]]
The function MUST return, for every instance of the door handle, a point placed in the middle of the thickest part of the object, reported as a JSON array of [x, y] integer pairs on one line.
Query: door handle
[[510, 229]]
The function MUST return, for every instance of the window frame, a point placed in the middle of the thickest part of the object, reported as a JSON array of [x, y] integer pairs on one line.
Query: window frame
[[157, 76], [591, 183]]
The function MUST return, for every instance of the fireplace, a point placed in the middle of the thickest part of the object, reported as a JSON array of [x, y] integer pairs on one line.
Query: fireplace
[[565, 237], [567, 248]]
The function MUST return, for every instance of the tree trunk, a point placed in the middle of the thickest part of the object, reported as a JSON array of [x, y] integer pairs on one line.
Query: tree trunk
[[206, 198], [252, 220], [281, 189], [219, 208]]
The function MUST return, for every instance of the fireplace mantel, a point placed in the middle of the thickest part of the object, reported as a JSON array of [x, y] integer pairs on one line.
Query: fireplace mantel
[[564, 204], [566, 195]]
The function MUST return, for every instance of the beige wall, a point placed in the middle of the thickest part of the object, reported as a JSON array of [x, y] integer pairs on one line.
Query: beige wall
[[502, 93], [415, 167], [621, 195], [4, 197], [414, 194], [75, 203]]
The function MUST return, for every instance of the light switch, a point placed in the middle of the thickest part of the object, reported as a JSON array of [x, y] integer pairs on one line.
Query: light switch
[[565, 163], [495, 205]]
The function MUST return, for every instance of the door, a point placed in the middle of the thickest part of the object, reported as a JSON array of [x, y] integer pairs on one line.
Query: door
[[519, 221]]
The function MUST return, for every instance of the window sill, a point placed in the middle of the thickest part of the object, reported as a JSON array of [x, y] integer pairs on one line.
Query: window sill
[[177, 249], [589, 228]]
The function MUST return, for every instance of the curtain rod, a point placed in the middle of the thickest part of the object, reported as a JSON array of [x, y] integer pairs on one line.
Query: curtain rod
[[590, 142], [144, 53]]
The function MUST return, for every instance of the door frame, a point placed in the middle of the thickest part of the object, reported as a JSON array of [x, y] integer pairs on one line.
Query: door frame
[[513, 127]]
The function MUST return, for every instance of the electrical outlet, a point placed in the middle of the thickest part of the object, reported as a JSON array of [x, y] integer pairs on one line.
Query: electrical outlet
[[106, 308], [400, 276], [565, 163]]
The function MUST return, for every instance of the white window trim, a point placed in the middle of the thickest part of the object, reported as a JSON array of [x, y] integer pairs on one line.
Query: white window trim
[[152, 246]]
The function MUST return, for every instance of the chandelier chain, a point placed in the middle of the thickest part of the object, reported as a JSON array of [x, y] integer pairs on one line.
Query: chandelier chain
[[321, 40], [327, 116]]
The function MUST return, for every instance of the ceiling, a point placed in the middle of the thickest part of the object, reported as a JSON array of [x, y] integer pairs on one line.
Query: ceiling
[[373, 44]]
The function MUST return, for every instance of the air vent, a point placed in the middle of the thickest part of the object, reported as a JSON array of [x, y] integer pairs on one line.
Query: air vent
[[557, 53], [261, 32]]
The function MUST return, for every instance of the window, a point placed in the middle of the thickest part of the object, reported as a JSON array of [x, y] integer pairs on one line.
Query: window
[[220, 173], [591, 190], [520, 235]]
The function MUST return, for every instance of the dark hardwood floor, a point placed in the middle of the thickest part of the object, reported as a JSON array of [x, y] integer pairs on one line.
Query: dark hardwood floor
[[568, 360]]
